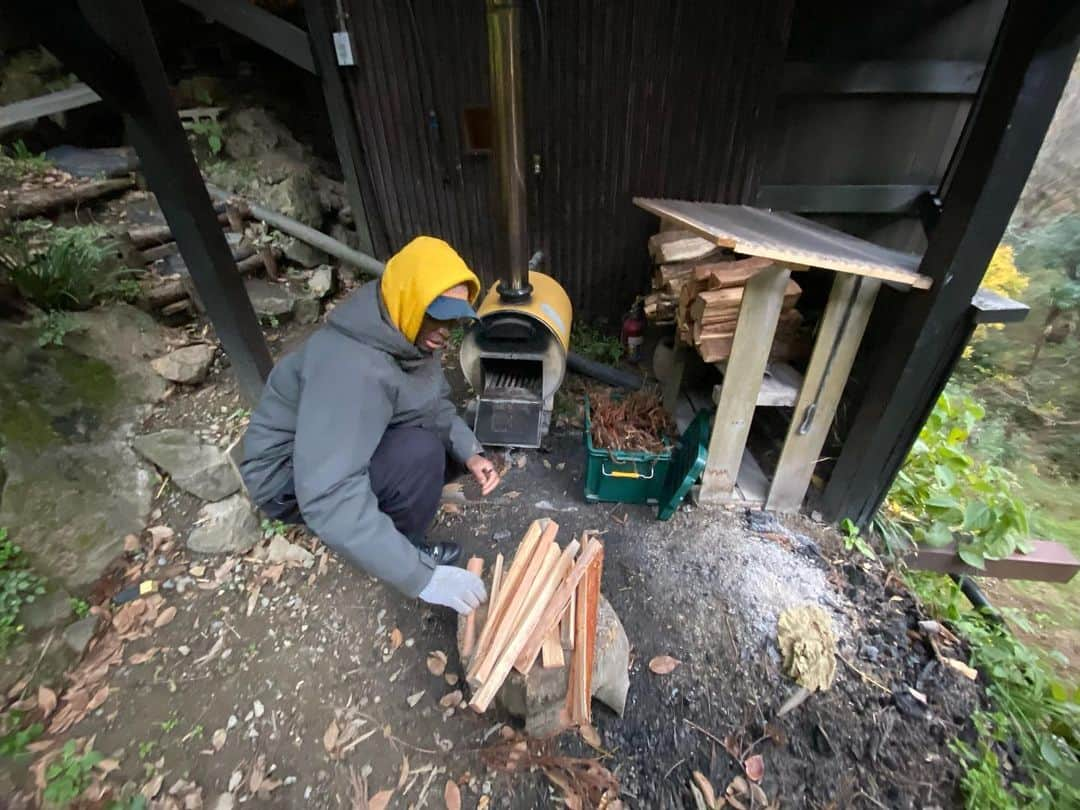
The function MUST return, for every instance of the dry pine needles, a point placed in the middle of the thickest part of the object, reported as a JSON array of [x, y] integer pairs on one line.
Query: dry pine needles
[[637, 422]]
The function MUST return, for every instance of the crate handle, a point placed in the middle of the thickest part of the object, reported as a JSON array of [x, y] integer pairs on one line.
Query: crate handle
[[634, 474]]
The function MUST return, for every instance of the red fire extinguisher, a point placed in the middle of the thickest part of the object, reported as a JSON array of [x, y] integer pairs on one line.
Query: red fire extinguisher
[[633, 331]]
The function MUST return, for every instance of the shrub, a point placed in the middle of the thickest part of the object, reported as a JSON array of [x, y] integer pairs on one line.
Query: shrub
[[942, 494]]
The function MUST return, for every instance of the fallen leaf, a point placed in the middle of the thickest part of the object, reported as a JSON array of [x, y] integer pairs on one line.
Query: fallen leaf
[[414, 698], [330, 736], [451, 678], [511, 495], [452, 795], [381, 800], [18, 686], [143, 657], [166, 616], [436, 662], [100, 696], [107, 766], [754, 767], [197, 570], [761, 799], [161, 533], [258, 773], [273, 573], [451, 699], [590, 735], [235, 780], [396, 639], [218, 739], [131, 543], [403, 775], [153, 787], [663, 664], [485, 803], [706, 788], [46, 699], [215, 650]]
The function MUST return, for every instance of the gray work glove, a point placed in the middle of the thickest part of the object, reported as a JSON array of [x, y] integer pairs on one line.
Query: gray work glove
[[455, 588]]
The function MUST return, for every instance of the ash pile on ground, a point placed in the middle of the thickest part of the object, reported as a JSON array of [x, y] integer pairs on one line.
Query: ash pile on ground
[[751, 569]]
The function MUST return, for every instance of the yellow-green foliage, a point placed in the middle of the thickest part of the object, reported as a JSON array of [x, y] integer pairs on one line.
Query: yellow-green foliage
[[1004, 278]]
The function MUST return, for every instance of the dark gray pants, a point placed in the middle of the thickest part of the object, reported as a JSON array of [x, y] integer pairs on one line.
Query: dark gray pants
[[407, 473]]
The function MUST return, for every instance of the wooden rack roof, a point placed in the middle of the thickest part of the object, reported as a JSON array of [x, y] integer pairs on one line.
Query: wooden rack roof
[[789, 238]]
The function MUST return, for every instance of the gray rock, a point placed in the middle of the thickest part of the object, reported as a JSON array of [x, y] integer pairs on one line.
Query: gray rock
[[77, 635], [69, 506], [228, 526], [125, 338], [48, 610], [302, 253], [307, 310], [270, 300], [201, 469], [188, 365], [322, 281], [281, 550]]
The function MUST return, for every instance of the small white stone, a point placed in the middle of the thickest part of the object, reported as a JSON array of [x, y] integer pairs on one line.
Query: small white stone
[[184, 649], [258, 709]]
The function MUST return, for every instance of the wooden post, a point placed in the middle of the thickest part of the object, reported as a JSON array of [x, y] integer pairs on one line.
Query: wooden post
[[761, 304], [850, 304]]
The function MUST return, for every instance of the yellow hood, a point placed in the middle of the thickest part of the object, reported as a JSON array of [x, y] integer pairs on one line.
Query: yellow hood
[[418, 274]]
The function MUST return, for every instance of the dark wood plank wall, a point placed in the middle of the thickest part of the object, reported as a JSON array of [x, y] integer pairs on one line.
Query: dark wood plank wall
[[638, 97]]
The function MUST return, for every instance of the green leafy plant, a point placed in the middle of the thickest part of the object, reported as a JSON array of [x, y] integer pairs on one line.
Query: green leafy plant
[[80, 607], [209, 129], [18, 586], [127, 289], [59, 268], [593, 343], [13, 737], [146, 748], [53, 327], [854, 541], [1031, 710], [68, 776], [18, 161], [273, 528], [943, 494]]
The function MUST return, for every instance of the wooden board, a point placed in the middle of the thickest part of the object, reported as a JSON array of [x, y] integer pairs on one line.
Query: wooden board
[[77, 95], [678, 246], [474, 566], [760, 311], [1047, 562], [752, 485], [789, 238], [854, 296]]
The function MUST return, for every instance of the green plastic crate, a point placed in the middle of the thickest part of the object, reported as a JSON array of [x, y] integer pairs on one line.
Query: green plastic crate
[[623, 476]]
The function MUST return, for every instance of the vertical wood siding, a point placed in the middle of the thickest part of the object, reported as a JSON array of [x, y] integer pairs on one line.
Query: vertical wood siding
[[630, 98]]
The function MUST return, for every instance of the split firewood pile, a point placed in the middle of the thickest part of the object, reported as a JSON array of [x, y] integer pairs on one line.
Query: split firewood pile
[[637, 422], [174, 295], [700, 288], [543, 608]]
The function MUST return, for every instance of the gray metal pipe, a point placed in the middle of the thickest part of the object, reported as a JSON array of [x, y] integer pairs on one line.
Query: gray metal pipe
[[315, 238], [508, 123]]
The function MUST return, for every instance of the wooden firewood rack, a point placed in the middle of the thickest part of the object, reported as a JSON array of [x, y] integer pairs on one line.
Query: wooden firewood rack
[[731, 475]]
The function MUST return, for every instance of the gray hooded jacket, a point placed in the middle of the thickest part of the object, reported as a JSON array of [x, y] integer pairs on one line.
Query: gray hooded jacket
[[321, 416]]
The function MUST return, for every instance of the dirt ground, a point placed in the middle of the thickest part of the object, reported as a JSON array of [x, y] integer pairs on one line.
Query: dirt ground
[[261, 669]]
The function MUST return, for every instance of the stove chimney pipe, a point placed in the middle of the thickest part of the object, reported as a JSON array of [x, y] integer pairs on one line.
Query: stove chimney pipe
[[508, 122]]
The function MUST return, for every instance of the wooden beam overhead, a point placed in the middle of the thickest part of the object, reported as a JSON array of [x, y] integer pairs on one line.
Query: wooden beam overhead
[[260, 26], [70, 98]]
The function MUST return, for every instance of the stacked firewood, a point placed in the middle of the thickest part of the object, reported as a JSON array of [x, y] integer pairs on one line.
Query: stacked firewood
[[700, 288], [542, 608], [174, 297]]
